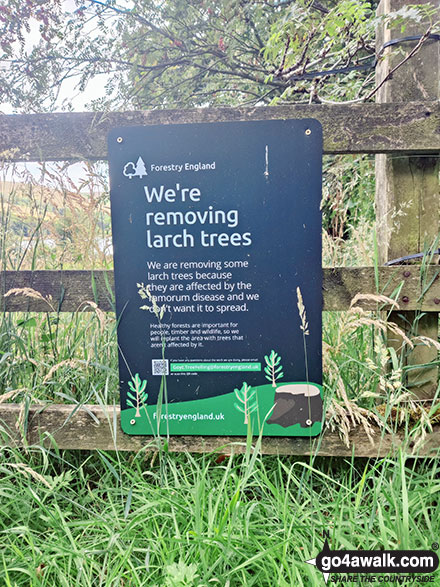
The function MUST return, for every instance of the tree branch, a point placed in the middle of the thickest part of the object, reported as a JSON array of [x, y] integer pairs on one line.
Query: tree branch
[[407, 58]]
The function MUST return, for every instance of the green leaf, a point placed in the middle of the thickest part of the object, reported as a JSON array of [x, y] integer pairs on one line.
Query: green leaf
[[29, 323]]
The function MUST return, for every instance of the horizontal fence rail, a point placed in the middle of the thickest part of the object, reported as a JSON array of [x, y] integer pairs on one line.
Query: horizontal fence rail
[[354, 128], [91, 427], [412, 287]]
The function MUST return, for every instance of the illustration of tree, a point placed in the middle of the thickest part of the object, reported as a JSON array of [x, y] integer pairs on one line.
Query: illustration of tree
[[140, 168], [137, 396], [273, 369], [129, 170], [246, 397]]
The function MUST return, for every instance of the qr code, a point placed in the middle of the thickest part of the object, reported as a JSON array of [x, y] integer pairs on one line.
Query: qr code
[[160, 367]]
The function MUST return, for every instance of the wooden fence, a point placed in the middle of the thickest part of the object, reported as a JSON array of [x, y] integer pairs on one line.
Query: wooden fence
[[368, 128]]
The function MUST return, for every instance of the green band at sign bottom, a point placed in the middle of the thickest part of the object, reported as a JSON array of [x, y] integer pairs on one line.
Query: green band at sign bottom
[[200, 367]]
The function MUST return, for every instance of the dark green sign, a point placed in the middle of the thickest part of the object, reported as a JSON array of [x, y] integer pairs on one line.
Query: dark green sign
[[217, 253]]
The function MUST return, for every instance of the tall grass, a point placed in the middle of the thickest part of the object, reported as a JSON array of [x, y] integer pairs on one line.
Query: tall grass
[[97, 519], [49, 222], [58, 358]]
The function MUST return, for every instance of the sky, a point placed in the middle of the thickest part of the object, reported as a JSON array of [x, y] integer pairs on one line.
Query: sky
[[80, 100]]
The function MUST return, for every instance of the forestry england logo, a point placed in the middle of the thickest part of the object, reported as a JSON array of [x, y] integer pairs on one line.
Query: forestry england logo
[[139, 169], [135, 170], [354, 564]]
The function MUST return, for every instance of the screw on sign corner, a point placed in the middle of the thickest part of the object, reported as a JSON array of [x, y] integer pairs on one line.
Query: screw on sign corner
[[132, 421], [119, 140], [308, 132]]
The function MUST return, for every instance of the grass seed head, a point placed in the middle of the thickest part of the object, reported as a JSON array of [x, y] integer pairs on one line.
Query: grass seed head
[[302, 312]]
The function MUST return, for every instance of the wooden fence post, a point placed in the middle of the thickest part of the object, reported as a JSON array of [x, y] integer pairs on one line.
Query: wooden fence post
[[407, 188]]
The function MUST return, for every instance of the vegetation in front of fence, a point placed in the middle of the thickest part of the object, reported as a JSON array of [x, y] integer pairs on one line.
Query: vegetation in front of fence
[[57, 357], [103, 519]]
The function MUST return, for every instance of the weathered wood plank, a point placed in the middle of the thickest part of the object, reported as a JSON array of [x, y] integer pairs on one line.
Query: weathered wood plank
[[353, 128], [408, 285], [95, 428], [407, 188], [71, 289]]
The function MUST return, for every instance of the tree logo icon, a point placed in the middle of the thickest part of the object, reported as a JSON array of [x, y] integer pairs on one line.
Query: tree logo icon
[[135, 170]]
